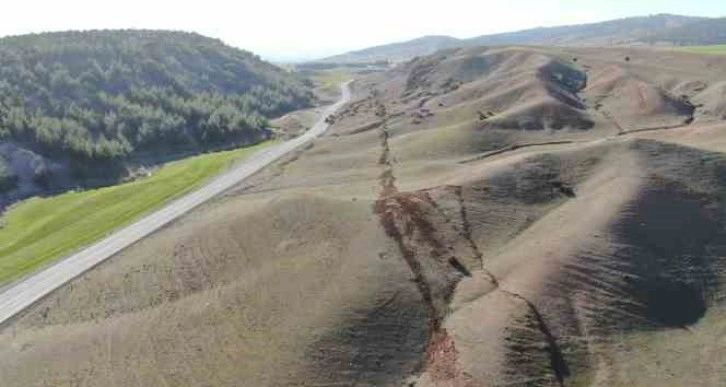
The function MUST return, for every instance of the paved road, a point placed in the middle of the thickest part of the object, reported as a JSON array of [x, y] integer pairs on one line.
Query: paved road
[[23, 294]]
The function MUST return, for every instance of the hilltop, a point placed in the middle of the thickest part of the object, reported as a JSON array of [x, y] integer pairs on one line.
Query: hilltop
[[654, 29], [544, 216]]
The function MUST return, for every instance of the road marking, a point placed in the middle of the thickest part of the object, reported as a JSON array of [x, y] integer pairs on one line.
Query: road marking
[[26, 292]]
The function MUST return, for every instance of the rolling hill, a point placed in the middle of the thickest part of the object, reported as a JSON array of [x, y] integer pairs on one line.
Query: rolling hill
[[706, 32], [661, 28], [505, 216], [79, 107]]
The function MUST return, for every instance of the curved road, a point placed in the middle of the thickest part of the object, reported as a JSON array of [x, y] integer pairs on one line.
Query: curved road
[[23, 294]]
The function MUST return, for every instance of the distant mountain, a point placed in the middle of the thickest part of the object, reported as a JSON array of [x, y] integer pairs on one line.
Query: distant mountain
[[395, 51], [666, 28], [612, 32], [706, 32]]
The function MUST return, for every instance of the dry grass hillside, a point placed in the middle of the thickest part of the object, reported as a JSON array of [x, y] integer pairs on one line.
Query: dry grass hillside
[[479, 217]]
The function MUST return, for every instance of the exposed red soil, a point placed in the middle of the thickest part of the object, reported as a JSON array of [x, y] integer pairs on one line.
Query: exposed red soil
[[441, 362]]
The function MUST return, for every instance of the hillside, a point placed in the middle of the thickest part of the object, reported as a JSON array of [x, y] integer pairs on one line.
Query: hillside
[[397, 51], [500, 216], [662, 28], [706, 32], [611, 32], [77, 106]]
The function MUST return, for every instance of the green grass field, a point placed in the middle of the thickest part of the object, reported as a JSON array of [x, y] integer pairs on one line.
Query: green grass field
[[331, 79], [40, 230], [716, 49]]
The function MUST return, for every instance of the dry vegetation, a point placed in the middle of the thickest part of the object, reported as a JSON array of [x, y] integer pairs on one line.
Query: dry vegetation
[[326, 90], [479, 217]]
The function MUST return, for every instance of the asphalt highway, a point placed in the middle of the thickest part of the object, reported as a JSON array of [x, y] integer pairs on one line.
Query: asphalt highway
[[21, 295]]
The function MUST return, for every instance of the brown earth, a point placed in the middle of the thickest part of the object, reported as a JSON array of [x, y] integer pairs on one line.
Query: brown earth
[[296, 123], [479, 217]]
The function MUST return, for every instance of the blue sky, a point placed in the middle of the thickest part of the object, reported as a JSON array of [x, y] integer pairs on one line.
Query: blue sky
[[278, 29]]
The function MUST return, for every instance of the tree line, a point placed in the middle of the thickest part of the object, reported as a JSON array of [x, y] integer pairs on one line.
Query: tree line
[[99, 97]]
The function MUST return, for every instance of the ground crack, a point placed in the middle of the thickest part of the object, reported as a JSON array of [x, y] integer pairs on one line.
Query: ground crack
[[514, 147], [558, 365], [405, 221], [466, 226]]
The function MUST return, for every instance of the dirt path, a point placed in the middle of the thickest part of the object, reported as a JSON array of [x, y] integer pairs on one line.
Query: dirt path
[[621, 132], [666, 127], [515, 147]]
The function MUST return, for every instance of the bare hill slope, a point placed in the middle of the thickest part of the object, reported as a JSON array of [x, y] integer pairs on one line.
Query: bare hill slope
[[575, 236]]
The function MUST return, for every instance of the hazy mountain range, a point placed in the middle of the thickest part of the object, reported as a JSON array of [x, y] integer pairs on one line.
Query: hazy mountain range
[[663, 29]]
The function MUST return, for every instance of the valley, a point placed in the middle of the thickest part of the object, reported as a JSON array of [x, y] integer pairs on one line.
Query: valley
[[515, 215]]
